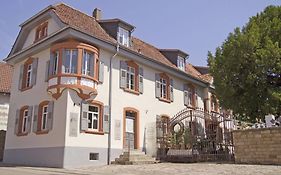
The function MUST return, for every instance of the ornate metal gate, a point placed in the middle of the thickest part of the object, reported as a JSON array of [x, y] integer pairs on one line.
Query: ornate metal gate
[[194, 135]]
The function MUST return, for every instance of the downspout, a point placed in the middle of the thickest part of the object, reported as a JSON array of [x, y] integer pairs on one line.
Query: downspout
[[109, 104]]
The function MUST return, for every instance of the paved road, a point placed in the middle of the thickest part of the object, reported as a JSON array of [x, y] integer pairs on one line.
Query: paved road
[[154, 169]]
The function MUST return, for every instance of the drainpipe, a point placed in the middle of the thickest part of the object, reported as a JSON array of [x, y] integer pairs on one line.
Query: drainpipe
[[109, 103]]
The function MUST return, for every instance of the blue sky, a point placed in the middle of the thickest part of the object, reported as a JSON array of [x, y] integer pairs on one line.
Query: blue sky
[[194, 26]]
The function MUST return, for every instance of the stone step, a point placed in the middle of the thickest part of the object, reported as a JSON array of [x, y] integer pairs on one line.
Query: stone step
[[134, 157]]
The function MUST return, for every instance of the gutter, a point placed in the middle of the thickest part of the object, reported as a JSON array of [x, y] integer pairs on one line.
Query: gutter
[[110, 103]]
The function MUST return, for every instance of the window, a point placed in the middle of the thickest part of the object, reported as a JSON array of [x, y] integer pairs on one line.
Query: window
[[123, 36], [41, 31], [28, 75], [131, 78], [44, 117], [163, 88], [70, 63], [24, 121], [55, 63], [88, 60], [214, 104], [181, 63], [93, 117], [94, 156], [28, 72], [189, 97]]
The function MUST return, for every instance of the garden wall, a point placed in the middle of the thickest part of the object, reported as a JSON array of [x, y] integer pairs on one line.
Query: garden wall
[[258, 146]]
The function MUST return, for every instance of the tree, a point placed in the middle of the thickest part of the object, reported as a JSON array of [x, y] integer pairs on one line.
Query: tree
[[247, 67]]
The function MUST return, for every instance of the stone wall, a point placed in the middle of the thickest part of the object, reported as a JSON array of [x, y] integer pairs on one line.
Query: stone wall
[[2, 143], [258, 146]]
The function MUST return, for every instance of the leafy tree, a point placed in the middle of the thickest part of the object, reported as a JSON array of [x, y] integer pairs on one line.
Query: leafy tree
[[247, 67]]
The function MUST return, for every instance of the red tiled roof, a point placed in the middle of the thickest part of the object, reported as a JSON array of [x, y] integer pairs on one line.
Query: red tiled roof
[[81, 21], [88, 24], [207, 77], [191, 70], [6, 73]]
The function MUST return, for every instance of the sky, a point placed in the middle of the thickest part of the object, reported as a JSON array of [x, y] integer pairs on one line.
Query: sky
[[193, 26]]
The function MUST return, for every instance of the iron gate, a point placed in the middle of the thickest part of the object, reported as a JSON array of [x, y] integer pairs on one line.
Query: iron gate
[[194, 136]]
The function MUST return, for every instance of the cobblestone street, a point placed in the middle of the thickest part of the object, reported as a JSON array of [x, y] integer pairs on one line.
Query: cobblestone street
[[153, 169]]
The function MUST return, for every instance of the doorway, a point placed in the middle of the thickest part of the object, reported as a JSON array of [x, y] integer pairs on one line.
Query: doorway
[[131, 127]]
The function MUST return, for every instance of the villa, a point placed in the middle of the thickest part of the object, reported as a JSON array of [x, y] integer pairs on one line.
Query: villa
[[84, 89]]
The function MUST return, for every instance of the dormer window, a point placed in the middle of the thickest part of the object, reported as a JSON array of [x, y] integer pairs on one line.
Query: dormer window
[[41, 31], [123, 36], [181, 63]]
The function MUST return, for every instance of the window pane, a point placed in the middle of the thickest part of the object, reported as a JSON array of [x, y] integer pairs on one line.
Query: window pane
[[67, 61], [90, 120], [74, 61]]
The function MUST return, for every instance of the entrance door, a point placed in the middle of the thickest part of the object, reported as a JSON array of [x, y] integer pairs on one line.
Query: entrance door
[[130, 130]]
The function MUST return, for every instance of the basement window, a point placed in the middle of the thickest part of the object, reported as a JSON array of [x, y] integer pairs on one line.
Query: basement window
[[94, 156]]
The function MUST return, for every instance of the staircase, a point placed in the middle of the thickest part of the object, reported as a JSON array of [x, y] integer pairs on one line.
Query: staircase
[[134, 157]]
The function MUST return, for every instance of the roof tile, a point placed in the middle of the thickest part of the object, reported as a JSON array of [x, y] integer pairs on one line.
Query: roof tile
[[6, 73]]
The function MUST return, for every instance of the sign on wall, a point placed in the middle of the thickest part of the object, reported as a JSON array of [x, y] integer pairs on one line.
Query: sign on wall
[[73, 126], [117, 129]]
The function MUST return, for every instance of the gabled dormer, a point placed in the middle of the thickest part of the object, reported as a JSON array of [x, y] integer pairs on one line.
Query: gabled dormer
[[38, 27], [116, 28], [175, 56]]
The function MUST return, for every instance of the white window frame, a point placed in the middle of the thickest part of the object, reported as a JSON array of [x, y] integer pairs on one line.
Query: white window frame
[[44, 117], [92, 120], [86, 62], [24, 121], [181, 63], [123, 36], [163, 88], [69, 69], [29, 75], [131, 75]]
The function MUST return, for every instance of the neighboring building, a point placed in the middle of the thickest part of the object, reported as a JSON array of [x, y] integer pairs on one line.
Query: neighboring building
[[6, 72], [84, 89]]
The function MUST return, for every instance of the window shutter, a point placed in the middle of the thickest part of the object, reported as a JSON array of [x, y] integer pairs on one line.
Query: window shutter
[[47, 73], [185, 94], [106, 119], [141, 80], [172, 90], [101, 72], [123, 74], [35, 119], [84, 116], [51, 65], [157, 85], [34, 71], [159, 129], [29, 119], [92, 66], [50, 115], [17, 122], [20, 77]]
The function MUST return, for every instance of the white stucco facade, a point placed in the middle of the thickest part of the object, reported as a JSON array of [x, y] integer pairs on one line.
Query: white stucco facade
[[65, 145]]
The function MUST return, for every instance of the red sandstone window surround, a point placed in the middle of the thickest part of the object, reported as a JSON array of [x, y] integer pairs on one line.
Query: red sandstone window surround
[[41, 31]]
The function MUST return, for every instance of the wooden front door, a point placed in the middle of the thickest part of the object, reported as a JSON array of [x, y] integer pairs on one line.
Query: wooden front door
[[130, 130]]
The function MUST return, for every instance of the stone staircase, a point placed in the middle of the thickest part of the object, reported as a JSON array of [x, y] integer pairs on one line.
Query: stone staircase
[[134, 157]]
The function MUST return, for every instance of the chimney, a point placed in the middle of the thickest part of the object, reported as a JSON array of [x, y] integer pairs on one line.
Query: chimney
[[97, 14]]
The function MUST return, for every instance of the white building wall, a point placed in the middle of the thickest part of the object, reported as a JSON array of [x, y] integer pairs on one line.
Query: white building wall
[[4, 110], [34, 96], [82, 144]]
